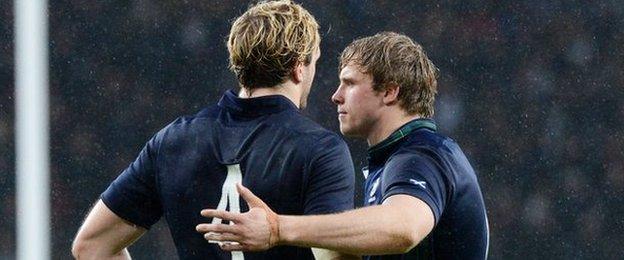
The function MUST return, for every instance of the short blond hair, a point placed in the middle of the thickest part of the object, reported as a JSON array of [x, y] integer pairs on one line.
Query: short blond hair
[[393, 58], [269, 40]]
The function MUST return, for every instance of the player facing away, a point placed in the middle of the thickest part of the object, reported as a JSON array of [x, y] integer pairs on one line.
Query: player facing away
[[422, 195], [257, 137]]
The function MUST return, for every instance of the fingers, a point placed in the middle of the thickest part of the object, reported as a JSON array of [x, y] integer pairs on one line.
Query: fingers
[[213, 237], [222, 214], [233, 247], [252, 200], [218, 228]]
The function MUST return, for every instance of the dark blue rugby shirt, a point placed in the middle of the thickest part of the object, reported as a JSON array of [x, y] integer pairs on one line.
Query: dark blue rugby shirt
[[290, 162], [417, 161]]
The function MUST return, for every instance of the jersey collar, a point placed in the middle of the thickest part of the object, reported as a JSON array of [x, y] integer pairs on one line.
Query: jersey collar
[[255, 106], [382, 149]]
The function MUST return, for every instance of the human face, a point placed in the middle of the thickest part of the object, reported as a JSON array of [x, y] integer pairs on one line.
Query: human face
[[308, 78], [358, 104]]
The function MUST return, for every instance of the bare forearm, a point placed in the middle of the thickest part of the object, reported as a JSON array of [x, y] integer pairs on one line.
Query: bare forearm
[[104, 235], [366, 231], [95, 252], [95, 247]]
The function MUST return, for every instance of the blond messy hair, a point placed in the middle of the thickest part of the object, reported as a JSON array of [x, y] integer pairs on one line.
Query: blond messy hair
[[269, 40], [392, 58]]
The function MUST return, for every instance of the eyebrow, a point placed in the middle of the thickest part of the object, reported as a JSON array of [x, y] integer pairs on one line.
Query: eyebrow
[[346, 79]]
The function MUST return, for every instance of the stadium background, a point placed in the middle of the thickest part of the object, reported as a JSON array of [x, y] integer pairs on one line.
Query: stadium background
[[532, 91]]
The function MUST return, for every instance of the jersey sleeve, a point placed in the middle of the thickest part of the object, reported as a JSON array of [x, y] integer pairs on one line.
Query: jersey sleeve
[[132, 196], [330, 185], [416, 175]]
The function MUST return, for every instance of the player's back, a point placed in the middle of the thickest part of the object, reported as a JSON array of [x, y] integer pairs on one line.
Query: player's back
[[287, 160]]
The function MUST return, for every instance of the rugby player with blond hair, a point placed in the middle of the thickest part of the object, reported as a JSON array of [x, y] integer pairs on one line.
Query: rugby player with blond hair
[[256, 136]]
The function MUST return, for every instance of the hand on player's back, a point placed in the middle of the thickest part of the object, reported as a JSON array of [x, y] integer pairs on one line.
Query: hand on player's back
[[254, 230]]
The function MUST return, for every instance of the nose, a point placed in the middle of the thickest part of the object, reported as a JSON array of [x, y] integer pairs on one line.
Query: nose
[[336, 98]]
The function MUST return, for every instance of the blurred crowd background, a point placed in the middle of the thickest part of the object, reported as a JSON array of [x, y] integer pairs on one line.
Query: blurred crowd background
[[532, 91]]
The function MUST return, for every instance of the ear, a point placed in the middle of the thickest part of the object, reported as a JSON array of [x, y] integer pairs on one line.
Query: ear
[[297, 73], [391, 93]]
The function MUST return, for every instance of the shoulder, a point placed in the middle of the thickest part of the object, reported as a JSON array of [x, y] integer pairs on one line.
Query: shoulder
[[435, 155], [423, 152], [308, 130], [296, 121], [187, 126], [428, 145]]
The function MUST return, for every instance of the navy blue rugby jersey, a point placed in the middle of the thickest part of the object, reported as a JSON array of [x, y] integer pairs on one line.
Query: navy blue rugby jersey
[[417, 161], [290, 162]]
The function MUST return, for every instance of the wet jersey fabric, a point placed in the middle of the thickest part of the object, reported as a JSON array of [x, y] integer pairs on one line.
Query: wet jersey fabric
[[290, 162], [417, 161]]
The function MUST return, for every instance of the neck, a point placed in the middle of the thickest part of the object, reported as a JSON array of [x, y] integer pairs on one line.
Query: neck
[[385, 126], [287, 89]]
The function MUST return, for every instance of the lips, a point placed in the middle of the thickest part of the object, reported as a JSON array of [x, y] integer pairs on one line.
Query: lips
[[341, 114]]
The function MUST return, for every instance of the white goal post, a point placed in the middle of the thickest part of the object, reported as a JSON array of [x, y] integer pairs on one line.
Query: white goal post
[[32, 129]]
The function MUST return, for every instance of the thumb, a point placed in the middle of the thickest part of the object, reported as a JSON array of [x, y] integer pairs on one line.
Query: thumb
[[252, 200], [272, 218]]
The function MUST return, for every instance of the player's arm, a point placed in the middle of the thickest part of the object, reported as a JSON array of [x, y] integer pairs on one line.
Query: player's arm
[[126, 209], [104, 235], [396, 226]]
